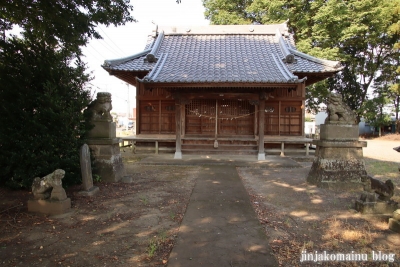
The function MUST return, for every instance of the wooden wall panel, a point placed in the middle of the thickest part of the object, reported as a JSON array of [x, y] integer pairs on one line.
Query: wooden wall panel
[[149, 117], [167, 120], [157, 117], [271, 126], [291, 120]]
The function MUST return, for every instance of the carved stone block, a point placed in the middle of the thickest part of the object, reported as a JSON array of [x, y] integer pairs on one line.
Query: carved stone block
[[108, 160]]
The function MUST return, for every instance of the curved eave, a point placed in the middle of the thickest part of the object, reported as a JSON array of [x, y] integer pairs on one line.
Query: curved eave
[[177, 84], [335, 65], [128, 76], [315, 77]]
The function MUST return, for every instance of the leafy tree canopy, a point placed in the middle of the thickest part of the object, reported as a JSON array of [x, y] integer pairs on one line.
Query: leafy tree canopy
[[363, 35], [43, 84], [63, 23]]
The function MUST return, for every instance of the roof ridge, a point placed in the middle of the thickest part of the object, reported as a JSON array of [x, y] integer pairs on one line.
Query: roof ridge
[[151, 57], [289, 57], [156, 70], [284, 71], [223, 29]]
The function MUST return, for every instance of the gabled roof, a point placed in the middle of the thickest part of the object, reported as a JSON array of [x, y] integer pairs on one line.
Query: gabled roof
[[222, 54]]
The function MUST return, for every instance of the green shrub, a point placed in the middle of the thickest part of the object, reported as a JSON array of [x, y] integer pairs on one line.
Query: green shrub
[[42, 126]]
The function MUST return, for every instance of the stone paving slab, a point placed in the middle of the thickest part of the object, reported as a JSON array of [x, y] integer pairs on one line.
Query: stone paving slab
[[220, 227]]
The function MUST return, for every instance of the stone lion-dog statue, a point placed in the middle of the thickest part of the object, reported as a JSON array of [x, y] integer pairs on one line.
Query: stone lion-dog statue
[[339, 112], [50, 186], [100, 108]]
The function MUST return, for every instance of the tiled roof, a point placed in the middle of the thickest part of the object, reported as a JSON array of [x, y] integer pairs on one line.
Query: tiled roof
[[244, 53]]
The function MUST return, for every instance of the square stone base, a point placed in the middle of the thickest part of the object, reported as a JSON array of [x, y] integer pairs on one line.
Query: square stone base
[[103, 129], [49, 207], [338, 132], [338, 165], [108, 160]]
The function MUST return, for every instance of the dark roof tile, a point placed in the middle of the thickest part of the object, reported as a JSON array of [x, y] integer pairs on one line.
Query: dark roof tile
[[223, 54]]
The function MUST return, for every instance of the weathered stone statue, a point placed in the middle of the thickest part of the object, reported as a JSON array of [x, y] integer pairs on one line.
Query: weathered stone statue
[[102, 140], [385, 190], [42, 188], [338, 112], [376, 198], [100, 108], [338, 161], [49, 195]]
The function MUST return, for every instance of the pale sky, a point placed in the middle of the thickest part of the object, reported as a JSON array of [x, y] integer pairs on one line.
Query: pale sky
[[130, 39]]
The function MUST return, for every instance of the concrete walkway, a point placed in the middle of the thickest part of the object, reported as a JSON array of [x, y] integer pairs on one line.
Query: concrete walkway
[[220, 227]]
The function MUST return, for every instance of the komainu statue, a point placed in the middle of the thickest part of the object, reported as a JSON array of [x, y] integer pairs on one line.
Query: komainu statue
[[339, 112], [384, 190], [50, 186], [100, 108]]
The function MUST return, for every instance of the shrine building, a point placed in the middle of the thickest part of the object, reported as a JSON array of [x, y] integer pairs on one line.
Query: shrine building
[[237, 89]]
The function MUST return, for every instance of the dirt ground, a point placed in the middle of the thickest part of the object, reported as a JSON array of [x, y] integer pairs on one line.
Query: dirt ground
[[123, 225], [135, 224]]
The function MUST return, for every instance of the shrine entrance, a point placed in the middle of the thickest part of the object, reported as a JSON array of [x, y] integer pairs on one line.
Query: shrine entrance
[[219, 117]]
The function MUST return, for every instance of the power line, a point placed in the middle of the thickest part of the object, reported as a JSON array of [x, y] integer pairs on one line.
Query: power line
[[96, 51], [111, 40], [109, 48]]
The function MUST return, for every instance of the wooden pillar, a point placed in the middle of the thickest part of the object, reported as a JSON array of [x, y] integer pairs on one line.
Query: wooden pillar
[[302, 87], [261, 122], [178, 130]]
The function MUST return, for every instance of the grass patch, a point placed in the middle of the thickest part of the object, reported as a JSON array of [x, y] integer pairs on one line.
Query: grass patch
[[382, 169]]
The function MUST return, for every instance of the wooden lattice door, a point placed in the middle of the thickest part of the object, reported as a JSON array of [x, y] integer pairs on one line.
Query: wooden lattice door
[[200, 117], [235, 117]]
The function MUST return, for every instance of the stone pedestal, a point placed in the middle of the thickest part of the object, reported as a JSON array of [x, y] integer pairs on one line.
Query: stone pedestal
[[338, 162], [49, 207], [394, 223], [103, 129], [102, 140], [107, 159]]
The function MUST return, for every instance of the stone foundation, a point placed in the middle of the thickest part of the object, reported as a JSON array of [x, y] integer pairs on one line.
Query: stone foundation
[[108, 160], [338, 162]]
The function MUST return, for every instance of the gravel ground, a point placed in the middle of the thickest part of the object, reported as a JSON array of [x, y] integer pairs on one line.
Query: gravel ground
[[382, 150]]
